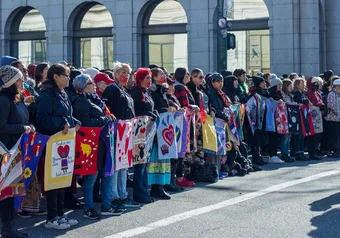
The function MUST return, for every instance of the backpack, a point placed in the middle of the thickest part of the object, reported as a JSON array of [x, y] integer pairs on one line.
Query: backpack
[[32, 108], [204, 173]]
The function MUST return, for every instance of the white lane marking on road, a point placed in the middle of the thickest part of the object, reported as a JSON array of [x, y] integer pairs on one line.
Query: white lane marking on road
[[226, 203]]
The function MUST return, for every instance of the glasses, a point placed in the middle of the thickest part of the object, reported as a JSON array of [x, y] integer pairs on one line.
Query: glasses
[[66, 75], [201, 77]]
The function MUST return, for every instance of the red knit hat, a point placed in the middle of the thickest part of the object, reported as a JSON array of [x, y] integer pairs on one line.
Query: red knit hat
[[102, 77]]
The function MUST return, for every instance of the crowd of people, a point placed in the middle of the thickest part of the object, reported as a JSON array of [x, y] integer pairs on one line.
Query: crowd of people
[[48, 99]]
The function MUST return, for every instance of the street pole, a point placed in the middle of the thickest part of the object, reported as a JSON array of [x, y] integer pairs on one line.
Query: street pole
[[221, 42]]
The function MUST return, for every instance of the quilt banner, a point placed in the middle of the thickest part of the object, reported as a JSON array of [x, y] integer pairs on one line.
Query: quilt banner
[[242, 113], [86, 157], [108, 136], [251, 109], [180, 131], [124, 145], [32, 145], [270, 115], [294, 121], [11, 172], [232, 127], [209, 135], [59, 160], [221, 126], [281, 118], [307, 125], [236, 109], [188, 114], [167, 144], [261, 109], [143, 133], [317, 119]]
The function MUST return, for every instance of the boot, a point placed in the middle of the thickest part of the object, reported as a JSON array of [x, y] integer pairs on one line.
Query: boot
[[157, 191], [8, 231], [172, 187]]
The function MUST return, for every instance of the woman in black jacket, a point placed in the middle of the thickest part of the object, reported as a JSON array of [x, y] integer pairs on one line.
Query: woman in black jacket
[[144, 106], [230, 87], [13, 123], [54, 114], [92, 112], [121, 105]]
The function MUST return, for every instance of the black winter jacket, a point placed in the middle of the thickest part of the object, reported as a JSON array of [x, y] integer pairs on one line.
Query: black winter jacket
[[14, 116], [144, 105], [160, 99], [300, 97], [217, 104], [119, 102], [53, 114]]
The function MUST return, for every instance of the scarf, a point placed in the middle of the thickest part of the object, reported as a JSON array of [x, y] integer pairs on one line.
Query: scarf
[[243, 87], [225, 99], [94, 98], [100, 94]]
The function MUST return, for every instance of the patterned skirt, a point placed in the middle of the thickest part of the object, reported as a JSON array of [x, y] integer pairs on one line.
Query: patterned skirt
[[158, 170]]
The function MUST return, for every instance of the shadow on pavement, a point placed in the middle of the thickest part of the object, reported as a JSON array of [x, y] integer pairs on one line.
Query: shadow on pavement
[[327, 223]]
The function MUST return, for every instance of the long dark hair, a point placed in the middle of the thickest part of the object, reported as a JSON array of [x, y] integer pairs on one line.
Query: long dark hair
[[39, 70], [180, 74], [12, 92], [58, 69]]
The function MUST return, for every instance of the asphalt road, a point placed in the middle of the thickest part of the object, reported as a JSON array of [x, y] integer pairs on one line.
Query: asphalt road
[[301, 199]]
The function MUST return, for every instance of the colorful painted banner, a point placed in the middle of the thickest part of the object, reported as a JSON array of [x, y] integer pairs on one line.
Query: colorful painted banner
[[232, 126], [124, 145], [86, 157], [143, 133], [180, 131], [281, 117], [261, 109], [11, 172], [236, 108], [158, 170], [317, 119], [294, 121], [270, 115], [59, 160], [167, 144], [108, 136], [242, 113], [306, 121], [32, 145], [188, 114], [209, 135], [196, 125], [220, 126], [251, 109]]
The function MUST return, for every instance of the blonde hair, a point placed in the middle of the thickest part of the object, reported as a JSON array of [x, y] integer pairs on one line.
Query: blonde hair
[[296, 83], [118, 67]]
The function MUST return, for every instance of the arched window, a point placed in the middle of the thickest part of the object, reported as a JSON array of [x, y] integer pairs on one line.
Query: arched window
[[165, 35], [93, 38], [250, 25], [28, 41]]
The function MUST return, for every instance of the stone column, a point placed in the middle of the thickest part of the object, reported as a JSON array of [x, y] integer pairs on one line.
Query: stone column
[[333, 35]]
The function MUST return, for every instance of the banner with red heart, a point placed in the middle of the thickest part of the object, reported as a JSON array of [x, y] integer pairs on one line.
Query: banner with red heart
[[167, 145]]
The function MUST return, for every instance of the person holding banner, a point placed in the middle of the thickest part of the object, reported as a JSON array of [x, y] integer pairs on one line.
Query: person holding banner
[[13, 123], [54, 114], [159, 90], [92, 112], [186, 101], [121, 105]]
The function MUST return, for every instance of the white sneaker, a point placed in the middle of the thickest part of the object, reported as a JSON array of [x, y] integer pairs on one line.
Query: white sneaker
[[275, 160], [57, 224], [67, 220]]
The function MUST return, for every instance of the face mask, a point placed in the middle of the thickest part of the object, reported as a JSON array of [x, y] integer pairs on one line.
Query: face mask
[[316, 87], [123, 78]]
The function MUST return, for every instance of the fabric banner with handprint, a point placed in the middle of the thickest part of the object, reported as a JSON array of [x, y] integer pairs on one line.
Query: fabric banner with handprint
[[59, 160], [143, 133], [11, 180], [32, 145], [167, 144], [86, 156]]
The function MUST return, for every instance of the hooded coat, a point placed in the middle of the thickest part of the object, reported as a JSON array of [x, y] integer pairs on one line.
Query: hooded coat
[[313, 96], [229, 90]]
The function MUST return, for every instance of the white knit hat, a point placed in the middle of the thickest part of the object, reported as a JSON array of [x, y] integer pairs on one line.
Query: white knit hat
[[9, 75], [336, 82], [92, 72], [275, 81]]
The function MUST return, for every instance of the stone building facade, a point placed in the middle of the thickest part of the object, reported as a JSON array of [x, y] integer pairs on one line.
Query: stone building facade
[[301, 37]]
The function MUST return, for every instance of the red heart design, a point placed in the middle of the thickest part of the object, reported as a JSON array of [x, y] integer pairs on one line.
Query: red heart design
[[63, 151], [127, 144], [121, 130], [168, 135], [142, 130]]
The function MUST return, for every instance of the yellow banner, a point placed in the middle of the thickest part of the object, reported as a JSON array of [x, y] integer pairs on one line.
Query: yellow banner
[[209, 134]]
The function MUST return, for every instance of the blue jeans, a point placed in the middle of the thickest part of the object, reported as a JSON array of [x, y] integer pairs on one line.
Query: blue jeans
[[140, 182], [299, 144], [88, 185], [119, 185], [105, 189], [285, 142]]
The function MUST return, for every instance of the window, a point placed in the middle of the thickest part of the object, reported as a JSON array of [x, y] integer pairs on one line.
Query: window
[[249, 9], [28, 41], [165, 36], [93, 42]]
